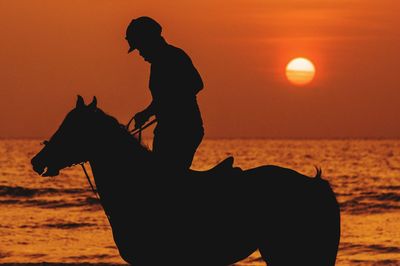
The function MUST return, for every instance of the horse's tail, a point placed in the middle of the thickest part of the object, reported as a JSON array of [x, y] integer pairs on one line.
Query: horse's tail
[[318, 175], [328, 216]]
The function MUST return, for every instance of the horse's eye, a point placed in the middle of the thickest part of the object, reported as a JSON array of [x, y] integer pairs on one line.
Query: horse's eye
[[45, 142]]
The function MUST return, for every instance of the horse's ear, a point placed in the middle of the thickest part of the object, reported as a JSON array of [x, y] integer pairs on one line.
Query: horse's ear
[[80, 102], [93, 104]]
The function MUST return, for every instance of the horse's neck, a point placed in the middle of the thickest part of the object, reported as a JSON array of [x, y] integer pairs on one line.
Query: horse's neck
[[115, 156]]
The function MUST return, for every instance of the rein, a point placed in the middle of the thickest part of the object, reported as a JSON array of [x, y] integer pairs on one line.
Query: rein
[[90, 182], [140, 129], [94, 191]]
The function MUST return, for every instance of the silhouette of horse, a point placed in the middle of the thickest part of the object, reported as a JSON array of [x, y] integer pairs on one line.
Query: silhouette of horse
[[217, 217]]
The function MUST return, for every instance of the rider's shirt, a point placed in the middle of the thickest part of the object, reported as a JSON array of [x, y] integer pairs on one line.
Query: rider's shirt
[[174, 83]]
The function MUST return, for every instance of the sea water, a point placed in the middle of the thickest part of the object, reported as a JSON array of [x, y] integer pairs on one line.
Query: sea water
[[59, 220]]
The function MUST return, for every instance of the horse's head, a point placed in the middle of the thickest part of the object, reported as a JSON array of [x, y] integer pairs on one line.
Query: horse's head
[[69, 144]]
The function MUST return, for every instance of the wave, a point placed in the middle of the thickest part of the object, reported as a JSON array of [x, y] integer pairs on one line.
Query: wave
[[93, 257], [389, 187], [355, 207], [369, 248], [18, 191], [388, 197], [44, 197], [52, 204], [69, 225], [371, 202]]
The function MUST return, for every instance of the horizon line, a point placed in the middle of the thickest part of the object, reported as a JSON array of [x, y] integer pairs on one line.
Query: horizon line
[[244, 138]]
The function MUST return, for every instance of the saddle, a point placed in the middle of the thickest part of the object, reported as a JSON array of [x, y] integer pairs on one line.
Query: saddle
[[225, 167]]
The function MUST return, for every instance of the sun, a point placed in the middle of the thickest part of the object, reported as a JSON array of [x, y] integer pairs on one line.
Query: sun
[[300, 71]]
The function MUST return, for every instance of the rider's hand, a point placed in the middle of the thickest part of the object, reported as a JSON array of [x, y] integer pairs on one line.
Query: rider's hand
[[140, 119]]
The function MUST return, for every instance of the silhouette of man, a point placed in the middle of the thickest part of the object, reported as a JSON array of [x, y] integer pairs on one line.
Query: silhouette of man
[[174, 84]]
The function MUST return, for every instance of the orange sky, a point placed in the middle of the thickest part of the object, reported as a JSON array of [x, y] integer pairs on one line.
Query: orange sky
[[53, 50]]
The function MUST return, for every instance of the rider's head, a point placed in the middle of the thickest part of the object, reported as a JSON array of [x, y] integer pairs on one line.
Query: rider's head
[[144, 34]]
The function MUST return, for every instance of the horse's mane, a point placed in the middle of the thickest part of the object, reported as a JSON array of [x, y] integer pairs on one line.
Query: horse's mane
[[112, 125]]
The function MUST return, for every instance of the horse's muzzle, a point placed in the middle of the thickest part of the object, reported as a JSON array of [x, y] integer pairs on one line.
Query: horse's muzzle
[[42, 169], [37, 165]]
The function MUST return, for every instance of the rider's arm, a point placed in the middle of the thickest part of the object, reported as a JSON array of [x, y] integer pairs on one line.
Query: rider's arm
[[143, 116], [186, 76], [150, 110]]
